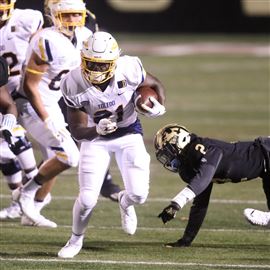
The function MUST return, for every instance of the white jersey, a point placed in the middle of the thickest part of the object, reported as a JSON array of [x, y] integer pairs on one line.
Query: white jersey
[[61, 54], [14, 40], [116, 100]]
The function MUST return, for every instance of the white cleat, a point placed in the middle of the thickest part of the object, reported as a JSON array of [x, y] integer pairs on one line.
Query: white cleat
[[71, 249], [27, 204], [256, 217], [11, 212], [42, 222], [47, 200], [128, 217]]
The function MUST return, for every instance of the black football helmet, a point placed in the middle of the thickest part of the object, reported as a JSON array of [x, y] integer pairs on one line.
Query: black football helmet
[[169, 142]]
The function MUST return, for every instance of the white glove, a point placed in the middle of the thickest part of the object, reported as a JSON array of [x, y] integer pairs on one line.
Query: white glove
[[9, 121], [60, 133], [106, 126], [156, 110]]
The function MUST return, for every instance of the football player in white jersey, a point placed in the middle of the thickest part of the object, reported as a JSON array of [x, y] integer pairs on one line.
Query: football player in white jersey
[[109, 189], [52, 53], [16, 28], [102, 115]]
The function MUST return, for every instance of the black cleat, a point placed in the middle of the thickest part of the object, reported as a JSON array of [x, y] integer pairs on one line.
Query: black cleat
[[180, 243], [109, 189]]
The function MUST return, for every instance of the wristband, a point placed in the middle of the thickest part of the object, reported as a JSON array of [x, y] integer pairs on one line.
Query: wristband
[[184, 196]]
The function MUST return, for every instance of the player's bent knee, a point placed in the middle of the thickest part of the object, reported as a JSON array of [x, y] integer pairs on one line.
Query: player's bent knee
[[142, 161], [138, 199], [88, 199], [71, 158]]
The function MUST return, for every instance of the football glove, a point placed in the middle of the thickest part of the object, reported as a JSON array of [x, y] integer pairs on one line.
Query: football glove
[[106, 126], [156, 110], [59, 133], [169, 212], [9, 121]]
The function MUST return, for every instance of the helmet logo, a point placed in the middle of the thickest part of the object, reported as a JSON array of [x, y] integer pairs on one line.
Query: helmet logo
[[170, 135]]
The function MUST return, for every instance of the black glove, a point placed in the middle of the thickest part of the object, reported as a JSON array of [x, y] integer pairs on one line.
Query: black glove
[[8, 137], [169, 212]]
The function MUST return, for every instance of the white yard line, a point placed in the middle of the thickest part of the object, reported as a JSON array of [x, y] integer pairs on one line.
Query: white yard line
[[220, 201], [115, 262], [151, 229]]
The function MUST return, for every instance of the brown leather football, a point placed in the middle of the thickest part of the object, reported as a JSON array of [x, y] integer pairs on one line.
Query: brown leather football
[[145, 92]]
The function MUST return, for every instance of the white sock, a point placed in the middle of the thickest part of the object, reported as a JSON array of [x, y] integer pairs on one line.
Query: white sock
[[76, 238], [32, 174], [30, 188]]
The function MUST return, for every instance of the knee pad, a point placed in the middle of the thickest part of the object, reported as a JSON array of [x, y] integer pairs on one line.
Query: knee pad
[[88, 199], [22, 144]]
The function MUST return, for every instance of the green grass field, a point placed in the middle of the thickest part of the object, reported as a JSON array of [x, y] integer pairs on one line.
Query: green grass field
[[222, 95]]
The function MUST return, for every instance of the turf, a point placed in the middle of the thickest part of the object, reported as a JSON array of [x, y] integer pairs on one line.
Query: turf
[[214, 95]]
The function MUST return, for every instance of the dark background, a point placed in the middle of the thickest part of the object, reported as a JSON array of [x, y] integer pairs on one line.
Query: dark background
[[189, 16]]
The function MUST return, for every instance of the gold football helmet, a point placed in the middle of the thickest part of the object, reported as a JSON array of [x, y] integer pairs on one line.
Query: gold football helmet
[[169, 142], [56, 10], [6, 9], [99, 55]]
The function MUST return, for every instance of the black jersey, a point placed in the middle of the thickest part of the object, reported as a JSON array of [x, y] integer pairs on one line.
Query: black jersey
[[204, 160]]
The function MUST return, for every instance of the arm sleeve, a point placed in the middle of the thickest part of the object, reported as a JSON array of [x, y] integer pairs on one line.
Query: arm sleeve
[[206, 171], [201, 180], [266, 188], [197, 214]]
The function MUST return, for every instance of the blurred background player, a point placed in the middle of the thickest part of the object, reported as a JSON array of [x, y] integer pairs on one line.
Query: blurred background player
[[200, 162], [109, 188], [7, 122], [16, 28], [53, 51], [101, 113], [257, 217]]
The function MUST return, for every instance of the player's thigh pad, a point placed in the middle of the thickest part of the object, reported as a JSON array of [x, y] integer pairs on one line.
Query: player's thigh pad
[[134, 163], [66, 151], [93, 165]]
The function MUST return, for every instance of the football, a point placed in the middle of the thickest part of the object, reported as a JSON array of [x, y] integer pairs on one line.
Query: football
[[145, 92]]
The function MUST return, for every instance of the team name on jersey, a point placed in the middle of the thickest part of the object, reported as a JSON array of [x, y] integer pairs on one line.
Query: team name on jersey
[[106, 105]]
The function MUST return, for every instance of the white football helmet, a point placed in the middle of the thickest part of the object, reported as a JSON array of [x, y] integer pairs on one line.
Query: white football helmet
[[99, 55], [58, 8], [169, 143], [6, 9]]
